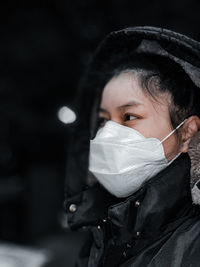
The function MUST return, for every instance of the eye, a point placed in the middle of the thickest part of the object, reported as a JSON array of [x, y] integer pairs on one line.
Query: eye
[[129, 117]]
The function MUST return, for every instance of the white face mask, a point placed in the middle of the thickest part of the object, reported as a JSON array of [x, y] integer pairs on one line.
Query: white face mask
[[122, 159]]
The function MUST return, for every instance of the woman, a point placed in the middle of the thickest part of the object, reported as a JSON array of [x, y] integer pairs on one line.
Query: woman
[[140, 108]]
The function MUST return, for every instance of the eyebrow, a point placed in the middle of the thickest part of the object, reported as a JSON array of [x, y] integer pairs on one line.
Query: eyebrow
[[129, 104]]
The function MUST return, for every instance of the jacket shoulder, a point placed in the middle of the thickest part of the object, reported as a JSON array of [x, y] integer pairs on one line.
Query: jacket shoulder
[[180, 249]]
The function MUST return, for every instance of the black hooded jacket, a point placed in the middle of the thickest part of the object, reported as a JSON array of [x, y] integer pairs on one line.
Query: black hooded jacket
[[158, 225]]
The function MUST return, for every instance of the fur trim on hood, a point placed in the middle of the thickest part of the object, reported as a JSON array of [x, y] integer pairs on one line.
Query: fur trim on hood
[[194, 152]]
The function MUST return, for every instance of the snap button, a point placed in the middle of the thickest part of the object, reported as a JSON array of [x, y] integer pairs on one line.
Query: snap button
[[137, 233], [128, 245], [99, 227], [72, 208], [137, 203], [124, 254], [104, 220]]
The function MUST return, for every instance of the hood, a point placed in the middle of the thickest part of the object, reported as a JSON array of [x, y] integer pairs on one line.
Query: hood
[[151, 40]]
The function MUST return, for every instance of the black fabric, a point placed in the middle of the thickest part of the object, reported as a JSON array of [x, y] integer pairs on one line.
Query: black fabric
[[179, 45], [92, 205], [164, 217]]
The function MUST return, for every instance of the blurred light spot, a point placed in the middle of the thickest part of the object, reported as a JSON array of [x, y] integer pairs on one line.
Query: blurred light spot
[[66, 115]]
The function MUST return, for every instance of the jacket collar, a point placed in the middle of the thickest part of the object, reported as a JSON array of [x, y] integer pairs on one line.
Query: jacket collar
[[158, 206]]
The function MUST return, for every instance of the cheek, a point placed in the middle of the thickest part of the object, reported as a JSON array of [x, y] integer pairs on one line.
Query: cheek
[[159, 128], [152, 128]]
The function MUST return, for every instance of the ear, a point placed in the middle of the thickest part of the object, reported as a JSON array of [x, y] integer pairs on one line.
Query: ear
[[187, 131]]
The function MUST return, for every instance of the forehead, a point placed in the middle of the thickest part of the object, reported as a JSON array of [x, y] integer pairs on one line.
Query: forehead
[[122, 88], [125, 88]]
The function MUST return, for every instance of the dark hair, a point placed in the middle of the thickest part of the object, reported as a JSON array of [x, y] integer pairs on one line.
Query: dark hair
[[159, 74]]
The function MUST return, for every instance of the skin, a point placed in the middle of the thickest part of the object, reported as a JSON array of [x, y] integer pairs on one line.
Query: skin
[[123, 101]]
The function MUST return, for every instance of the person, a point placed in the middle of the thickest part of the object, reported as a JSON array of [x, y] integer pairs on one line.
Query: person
[[129, 183]]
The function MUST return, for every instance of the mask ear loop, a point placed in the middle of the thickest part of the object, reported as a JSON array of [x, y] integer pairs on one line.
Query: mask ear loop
[[173, 131], [170, 135]]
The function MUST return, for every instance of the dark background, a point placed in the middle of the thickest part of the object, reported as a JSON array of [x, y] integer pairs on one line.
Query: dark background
[[43, 51]]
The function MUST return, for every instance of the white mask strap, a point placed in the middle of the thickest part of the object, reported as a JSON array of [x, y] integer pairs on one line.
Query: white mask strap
[[173, 131]]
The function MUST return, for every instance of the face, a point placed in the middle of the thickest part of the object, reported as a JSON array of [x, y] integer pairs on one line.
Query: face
[[123, 101]]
